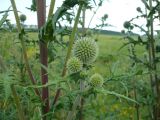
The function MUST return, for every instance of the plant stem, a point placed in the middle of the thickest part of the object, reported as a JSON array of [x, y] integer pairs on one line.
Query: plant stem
[[77, 101], [154, 68], [69, 50], [18, 104], [83, 21], [151, 77], [2, 65], [73, 110], [41, 16], [82, 86], [72, 39], [24, 48], [51, 9], [93, 16], [132, 52], [58, 92], [136, 105], [82, 82]]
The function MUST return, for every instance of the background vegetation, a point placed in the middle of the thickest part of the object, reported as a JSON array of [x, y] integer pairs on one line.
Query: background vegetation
[[35, 83]]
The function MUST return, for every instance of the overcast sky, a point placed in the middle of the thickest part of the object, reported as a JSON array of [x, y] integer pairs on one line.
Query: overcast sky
[[117, 10]]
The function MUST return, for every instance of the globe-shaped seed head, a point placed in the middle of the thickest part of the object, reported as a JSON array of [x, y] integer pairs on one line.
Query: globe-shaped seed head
[[23, 17], [74, 65], [127, 24], [96, 80], [86, 50]]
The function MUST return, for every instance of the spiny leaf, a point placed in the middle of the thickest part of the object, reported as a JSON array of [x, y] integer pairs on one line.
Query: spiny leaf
[[146, 4], [153, 10], [4, 18], [67, 4], [33, 6], [105, 92]]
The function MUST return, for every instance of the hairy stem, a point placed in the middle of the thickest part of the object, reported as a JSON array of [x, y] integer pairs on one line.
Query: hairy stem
[[24, 48], [41, 16], [155, 81], [69, 50], [58, 92], [51, 9], [72, 38]]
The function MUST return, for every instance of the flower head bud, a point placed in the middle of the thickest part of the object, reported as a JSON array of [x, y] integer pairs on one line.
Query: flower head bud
[[96, 80], [85, 50], [74, 65]]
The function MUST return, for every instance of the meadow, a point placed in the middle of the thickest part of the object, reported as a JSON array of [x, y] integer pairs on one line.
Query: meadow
[[60, 69], [113, 63]]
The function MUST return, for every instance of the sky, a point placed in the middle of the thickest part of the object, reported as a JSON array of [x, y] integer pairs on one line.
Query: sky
[[118, 12]]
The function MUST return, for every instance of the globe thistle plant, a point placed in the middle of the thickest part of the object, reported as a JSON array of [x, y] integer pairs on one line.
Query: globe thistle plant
[[96, 80], [74, 65], [86, 50]]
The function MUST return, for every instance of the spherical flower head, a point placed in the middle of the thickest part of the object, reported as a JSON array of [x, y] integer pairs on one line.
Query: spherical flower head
[[127, 24], [96, 80], [86, 50], [23, 17], [74, 65]]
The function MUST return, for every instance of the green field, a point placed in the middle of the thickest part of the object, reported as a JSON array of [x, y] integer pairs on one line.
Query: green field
[[112, 62]]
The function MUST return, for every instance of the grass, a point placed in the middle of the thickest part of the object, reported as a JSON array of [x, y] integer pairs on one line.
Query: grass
[[112, 61]]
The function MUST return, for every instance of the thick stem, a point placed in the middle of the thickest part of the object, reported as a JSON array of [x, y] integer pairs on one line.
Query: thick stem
[[41, 15], [24, 48], [51, 9], [69, 49], [72, 38], [150, 75], [155, 81]]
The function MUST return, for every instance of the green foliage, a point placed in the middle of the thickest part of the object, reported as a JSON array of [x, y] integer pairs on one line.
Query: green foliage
[[4, 18], [125, 70], [33, 6]]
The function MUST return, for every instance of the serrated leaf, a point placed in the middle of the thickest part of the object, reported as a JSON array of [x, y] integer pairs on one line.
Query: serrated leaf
[[4, 18], [106, 92], [146, 4]]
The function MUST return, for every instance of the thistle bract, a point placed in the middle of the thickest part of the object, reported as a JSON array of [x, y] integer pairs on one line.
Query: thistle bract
[[96, 80], [74, 65], [83, 74], [86, 50]]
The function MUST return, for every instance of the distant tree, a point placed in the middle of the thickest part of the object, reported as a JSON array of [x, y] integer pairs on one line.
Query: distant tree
[[23, 18]]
